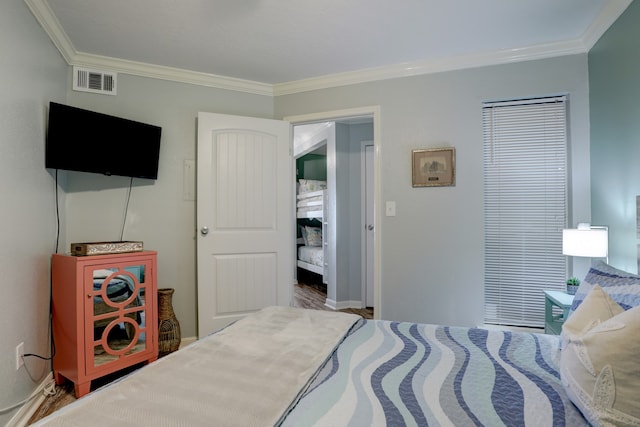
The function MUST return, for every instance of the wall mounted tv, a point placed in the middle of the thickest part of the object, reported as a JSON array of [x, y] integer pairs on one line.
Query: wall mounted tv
[[87, 141]]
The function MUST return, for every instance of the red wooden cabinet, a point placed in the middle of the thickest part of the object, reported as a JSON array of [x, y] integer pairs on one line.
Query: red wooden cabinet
[[105, 315]]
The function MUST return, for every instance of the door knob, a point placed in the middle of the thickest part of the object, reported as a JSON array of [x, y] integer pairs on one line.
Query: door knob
[[204, 230], [370, 227]]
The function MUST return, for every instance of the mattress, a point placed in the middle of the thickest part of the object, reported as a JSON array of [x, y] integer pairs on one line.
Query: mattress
[[309, 212], [311, 255], [309, 205], [313, 199]]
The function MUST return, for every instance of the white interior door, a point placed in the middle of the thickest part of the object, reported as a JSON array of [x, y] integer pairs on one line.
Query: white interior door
[[244, 217]]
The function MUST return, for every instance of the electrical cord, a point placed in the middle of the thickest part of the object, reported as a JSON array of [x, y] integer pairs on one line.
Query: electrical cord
[[53, 344], [48, 390], [57, 216], [126, 209]]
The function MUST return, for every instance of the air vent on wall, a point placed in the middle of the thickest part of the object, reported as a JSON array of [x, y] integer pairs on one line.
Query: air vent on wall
[[86, 80]]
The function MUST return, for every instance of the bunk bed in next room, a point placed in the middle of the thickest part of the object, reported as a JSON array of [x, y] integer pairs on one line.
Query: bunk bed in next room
[[311, 219]]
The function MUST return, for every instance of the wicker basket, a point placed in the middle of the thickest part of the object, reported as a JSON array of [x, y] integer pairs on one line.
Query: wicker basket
[[168, 326]]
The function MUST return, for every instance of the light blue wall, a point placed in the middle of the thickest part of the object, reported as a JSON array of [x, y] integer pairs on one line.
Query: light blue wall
[[614, 81], [32, 73], [432, 250]]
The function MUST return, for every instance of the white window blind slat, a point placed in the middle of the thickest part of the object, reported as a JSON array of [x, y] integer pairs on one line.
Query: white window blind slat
[[525, 187]]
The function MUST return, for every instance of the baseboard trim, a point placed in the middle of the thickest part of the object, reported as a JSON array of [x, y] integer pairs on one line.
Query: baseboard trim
[[341, 305], [330, 303], [188, 340], [21, 418]]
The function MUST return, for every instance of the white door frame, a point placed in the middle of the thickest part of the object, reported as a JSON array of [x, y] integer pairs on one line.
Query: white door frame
[[369, 111]]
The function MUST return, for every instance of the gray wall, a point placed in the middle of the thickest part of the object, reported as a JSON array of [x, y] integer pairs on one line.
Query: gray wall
[[32, 73], [344, 220], [432, 251], [614, 80]]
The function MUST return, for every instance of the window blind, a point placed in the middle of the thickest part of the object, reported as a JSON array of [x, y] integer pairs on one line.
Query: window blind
[[525, 207]]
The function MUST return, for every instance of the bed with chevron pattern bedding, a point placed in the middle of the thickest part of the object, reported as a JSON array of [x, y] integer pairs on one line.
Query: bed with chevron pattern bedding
[[396, 374], [298, 367]]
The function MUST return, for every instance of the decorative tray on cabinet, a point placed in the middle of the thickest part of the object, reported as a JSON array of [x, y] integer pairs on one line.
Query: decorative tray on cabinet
[[102, 248]]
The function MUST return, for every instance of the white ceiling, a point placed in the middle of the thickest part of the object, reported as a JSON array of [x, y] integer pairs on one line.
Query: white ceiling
[[292, 45]]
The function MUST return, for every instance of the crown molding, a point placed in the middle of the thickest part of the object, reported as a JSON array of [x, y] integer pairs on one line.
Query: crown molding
[[43, 13], [51, 25], [171, 74], [609, 14], [432, 66]]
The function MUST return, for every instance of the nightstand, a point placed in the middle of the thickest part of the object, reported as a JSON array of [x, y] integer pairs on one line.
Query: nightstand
[[557, 300], [105, 315]]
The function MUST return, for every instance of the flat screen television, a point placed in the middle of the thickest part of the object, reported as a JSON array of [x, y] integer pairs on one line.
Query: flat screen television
[[87, 141]]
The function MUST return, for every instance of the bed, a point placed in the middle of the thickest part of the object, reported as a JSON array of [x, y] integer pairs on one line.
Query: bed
[[311, 258], [298, 367], [311, 218]]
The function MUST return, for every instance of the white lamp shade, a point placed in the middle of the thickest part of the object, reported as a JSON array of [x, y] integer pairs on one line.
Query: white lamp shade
[[586, 242]]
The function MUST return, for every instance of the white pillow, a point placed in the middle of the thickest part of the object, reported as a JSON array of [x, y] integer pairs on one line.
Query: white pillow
[[600, 363], [314, 236], [307, 185], [597, 307]]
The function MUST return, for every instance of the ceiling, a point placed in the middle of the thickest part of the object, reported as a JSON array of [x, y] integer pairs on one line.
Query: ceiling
[[284, 46]]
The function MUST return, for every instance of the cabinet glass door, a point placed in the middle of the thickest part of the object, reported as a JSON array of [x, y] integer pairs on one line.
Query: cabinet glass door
[[117, 302]]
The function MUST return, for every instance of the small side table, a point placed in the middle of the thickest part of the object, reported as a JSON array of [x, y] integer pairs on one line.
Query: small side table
[[553, 322]]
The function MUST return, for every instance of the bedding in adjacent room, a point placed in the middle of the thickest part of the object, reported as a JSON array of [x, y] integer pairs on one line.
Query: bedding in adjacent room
[[309, 185], [311, 254]]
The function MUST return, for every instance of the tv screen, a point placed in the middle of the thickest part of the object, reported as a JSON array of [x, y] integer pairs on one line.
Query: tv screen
[[87, 141]]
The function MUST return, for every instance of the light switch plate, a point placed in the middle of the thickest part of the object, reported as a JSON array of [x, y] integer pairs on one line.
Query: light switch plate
[[189, 180], [390, 208]]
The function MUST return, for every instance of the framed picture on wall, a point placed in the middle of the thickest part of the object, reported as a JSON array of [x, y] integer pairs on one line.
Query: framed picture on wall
[[433, 167]]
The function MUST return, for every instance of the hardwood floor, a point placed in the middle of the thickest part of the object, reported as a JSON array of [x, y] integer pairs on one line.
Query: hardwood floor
[[312, 296]]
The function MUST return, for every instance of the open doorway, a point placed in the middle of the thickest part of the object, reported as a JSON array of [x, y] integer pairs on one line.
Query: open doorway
[[331, 220]]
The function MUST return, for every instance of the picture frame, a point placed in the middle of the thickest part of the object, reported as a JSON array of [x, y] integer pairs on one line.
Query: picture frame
[[433, 167]]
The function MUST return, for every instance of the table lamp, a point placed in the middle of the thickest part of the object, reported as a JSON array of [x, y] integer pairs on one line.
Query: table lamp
[[586, 241]]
